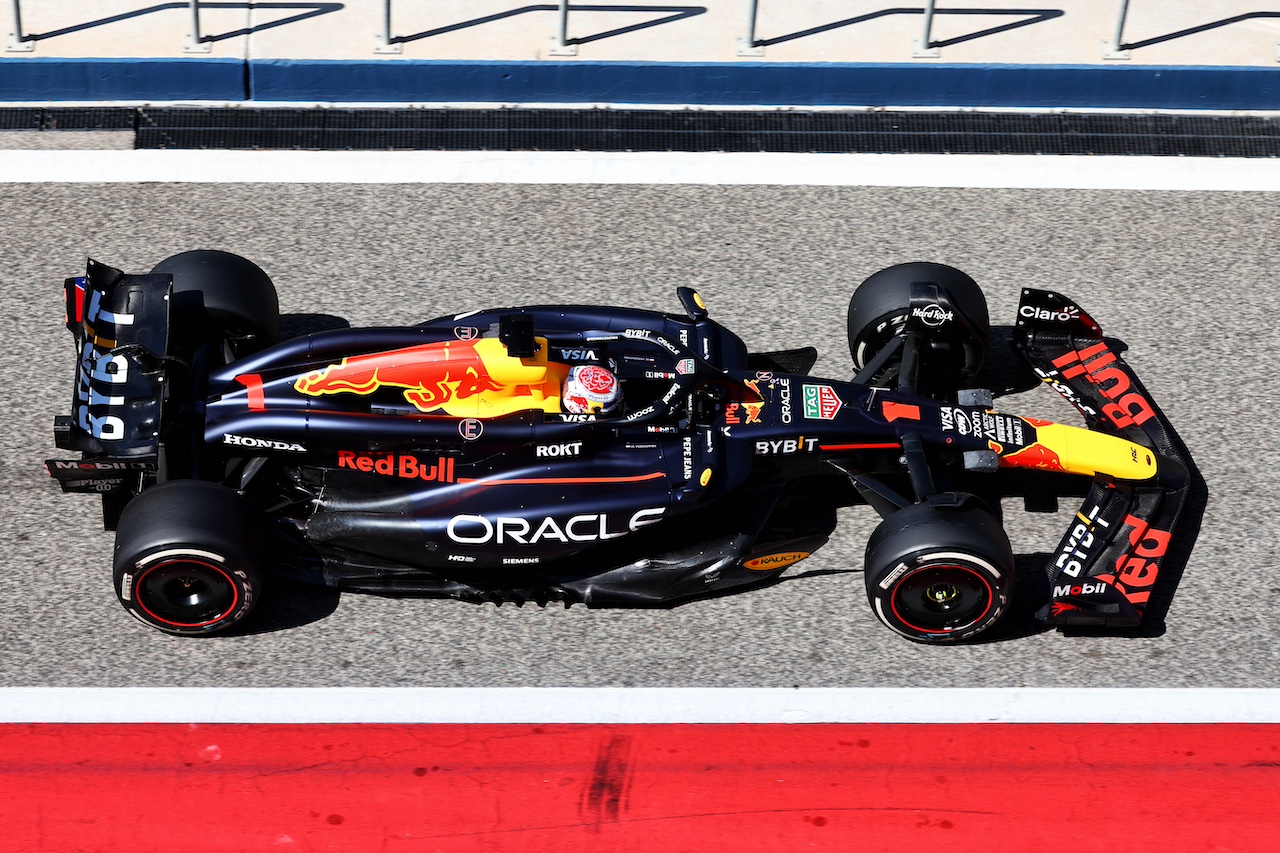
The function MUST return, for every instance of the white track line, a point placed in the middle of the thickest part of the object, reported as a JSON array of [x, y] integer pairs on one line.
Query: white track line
[[490, 167], [636, 705]]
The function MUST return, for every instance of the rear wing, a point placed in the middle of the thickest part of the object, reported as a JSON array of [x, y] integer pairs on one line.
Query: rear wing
[[1107, 564], [120, 324]]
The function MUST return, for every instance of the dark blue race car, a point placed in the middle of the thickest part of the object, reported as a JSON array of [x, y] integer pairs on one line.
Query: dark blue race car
[[607, 456]]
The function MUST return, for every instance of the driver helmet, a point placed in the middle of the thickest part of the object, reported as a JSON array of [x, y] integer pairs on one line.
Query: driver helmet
[[591, 390]]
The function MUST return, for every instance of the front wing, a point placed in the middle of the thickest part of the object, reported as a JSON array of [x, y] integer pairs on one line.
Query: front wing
[[1109, 560]]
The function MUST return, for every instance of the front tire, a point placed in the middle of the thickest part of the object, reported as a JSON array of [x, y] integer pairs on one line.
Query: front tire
[[879, 308], [184, 558], [939, 574]]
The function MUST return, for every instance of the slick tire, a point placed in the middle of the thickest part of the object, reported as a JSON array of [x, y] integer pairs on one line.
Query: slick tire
[[221, 295], [938, 575], [184, 558], [879, 307]]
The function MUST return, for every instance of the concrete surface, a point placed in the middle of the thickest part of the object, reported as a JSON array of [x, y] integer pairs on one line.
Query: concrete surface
[[69, 140]]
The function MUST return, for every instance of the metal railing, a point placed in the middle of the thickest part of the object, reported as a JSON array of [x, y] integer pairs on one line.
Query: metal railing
[[925, 47], [561, 44], [19, 41]]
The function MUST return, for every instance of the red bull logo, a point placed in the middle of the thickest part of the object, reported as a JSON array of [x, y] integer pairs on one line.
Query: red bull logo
[[1098, 364], [752, 409], [433, 375], [403, 465], [733, 412], [1033, 456]]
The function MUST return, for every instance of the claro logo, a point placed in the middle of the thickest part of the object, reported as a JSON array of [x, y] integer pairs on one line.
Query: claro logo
[[1066, 315], [504, 530]]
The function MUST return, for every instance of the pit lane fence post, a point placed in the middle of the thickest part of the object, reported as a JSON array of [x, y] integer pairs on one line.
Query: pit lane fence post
[[22, 42], [195, 42], [1115, 48], [17, 41]]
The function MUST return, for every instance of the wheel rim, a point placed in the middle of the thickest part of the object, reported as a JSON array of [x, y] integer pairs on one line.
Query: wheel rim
[[875, 338], [186, 593], [940, 599], [868, 344]]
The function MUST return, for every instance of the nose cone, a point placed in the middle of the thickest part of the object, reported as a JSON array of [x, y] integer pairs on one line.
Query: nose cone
[[1082, 451]]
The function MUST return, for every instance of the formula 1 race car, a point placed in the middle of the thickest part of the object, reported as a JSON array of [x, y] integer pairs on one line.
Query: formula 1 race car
[[607, 456]]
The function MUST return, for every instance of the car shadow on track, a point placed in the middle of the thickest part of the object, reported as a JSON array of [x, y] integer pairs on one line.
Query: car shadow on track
[[1011, 374], [290, 604]]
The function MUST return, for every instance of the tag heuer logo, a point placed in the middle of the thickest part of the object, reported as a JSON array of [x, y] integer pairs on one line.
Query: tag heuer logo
[[821, 402]]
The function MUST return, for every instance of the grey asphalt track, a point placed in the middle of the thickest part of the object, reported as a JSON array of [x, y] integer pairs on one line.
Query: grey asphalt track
[[1187, 280]]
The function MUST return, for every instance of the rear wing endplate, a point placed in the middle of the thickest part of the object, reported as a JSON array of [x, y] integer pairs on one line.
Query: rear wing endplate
[[121, 326]]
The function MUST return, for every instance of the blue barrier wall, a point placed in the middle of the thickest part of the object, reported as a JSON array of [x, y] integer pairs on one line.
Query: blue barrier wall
[[762, 83], [48, 79]]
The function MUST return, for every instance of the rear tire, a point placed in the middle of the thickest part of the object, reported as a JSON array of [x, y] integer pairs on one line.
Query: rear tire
[[184, 558], [221, 295], [939, 574], [879, 308]]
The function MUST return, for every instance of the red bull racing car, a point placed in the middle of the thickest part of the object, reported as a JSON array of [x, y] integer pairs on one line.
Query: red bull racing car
[[607, 456]]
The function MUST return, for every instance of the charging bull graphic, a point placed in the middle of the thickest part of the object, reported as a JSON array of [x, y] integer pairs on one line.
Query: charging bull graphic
[[463, 379]]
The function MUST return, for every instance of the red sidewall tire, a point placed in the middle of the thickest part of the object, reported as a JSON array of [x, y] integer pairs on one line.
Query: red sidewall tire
[[219, 594], [955, 577], [939, 575], [184, 561]]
